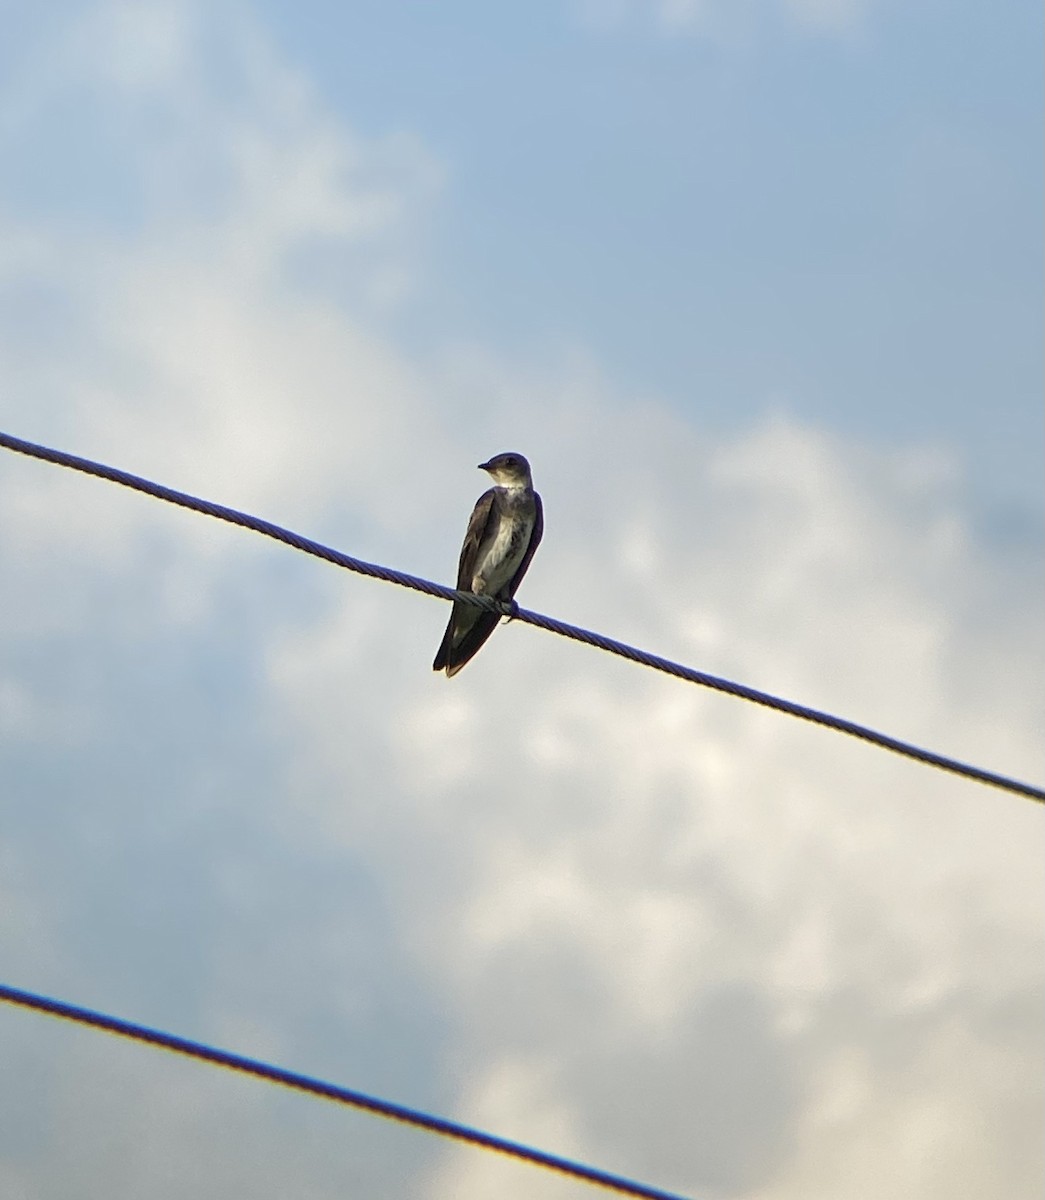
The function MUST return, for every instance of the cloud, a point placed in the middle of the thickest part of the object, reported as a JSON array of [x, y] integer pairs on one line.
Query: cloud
[[681, 926], [560, 896], [828, 16], [718, 20], [189, 337]]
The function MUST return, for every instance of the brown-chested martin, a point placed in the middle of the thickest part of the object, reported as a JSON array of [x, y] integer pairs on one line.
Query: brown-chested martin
[[503, 533]]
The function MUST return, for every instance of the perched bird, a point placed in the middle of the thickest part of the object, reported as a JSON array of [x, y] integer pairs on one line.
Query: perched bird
[[503, 533]]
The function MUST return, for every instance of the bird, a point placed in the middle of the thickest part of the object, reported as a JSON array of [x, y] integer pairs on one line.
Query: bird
[[504, 531]]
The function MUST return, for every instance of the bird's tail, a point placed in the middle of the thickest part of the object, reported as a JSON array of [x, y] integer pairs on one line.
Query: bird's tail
[[466, 632]]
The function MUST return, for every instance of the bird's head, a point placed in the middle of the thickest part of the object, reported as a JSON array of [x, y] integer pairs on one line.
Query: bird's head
[[509, 470]]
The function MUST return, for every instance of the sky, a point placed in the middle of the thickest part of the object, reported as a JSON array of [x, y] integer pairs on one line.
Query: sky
[[757, 288]]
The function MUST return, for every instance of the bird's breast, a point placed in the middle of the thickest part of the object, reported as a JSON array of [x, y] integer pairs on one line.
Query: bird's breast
[[502, 552]]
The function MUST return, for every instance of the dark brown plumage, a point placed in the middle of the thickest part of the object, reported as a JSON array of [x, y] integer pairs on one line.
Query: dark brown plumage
[[503, 534]]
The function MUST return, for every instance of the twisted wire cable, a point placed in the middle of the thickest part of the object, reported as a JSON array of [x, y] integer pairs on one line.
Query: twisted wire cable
[[599, 641], [386, 1109]]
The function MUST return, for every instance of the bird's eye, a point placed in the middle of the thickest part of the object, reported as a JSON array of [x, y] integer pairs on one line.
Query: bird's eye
[[511, 461]]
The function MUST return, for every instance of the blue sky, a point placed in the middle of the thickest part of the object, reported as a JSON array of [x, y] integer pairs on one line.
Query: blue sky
[[757, 289], [830, 209], [843, 221]]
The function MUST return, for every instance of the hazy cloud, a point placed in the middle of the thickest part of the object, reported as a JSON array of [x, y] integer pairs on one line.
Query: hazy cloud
[[718, 19]]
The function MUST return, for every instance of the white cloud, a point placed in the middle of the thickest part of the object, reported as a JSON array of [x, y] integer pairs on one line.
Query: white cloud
[[610, 868], [828, 16], [723, 19], [192, 350]]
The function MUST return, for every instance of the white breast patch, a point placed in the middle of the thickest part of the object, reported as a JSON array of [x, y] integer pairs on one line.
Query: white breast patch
[[499, 559]]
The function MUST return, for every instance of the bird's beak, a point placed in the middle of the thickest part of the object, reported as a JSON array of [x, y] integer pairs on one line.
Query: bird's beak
[[484, 466]]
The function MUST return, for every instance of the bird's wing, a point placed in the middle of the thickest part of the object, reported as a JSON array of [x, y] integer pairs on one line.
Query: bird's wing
[[531, 549], [468, 626], [473, 539]]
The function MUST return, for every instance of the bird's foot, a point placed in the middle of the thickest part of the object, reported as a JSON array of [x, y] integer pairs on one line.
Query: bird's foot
[[510, 609]]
